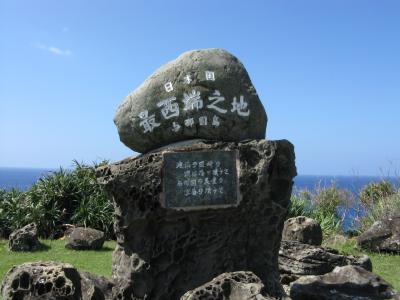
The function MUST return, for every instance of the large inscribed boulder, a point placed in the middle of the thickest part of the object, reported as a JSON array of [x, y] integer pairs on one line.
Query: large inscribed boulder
[[201, 94]]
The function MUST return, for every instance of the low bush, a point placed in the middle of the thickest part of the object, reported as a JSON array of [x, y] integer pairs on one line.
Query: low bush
[[64, 196], [387, 207], [322, 205], [373, 192]]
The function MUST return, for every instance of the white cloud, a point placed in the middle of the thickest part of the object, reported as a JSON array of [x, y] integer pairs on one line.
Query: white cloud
[[52, 49]]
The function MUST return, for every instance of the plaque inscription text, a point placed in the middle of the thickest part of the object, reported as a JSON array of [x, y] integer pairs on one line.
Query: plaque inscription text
[[200, 179]]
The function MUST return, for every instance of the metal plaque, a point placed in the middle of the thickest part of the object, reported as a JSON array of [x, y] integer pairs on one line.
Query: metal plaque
[[200, 179]]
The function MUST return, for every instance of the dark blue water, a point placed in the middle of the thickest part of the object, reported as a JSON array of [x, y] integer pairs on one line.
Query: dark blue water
[[20, 178], [23, 179]]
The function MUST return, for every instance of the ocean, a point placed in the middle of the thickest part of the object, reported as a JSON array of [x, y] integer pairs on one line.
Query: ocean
[[23, 179]]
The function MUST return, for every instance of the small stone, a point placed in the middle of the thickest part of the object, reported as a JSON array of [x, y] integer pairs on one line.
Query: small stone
[[344, 283], [230, 286], [85, 239], [25, 239], [302, 229], [382, 236], [202, 94], [302, 259], [53, 281]]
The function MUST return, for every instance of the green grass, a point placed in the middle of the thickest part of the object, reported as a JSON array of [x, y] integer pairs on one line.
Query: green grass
[[384, 264], [97, 262]]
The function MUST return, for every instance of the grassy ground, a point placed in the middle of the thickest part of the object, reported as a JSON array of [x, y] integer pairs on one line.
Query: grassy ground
[[383, 264], [98, 262]]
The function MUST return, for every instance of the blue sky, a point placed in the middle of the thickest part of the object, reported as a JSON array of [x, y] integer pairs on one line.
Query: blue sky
[[327, 72]]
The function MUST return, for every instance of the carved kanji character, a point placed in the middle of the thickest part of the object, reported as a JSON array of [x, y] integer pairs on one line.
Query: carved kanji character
[[216, 98], [169, 109], [240, 107], [210, 75], [189, 122], [192, 100], [203, 121], [168, 87], [148, 122]]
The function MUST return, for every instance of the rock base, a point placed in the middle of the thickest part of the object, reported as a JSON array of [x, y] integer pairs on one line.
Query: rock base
[[163, 252]]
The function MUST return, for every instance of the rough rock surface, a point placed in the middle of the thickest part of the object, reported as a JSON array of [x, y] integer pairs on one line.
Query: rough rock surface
[[383, 236], [297, 259], [222, 106], [302, 229], [85, 239], [24, 239], [52, 280], [230, 286], [344, 283], [163, 253]]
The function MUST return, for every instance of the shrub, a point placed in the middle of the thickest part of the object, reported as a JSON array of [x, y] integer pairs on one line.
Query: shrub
[[13, 211], [385, 208], [322, 205], [373, 192], [300, 204], [63, 196]]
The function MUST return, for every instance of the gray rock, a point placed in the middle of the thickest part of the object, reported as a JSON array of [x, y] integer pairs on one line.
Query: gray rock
[[383, 236], [302, 229], [25, 239], [53, 281], [302, 259], [344, 283], [85, 239], [230, 286], [164, 252], [224, 106]]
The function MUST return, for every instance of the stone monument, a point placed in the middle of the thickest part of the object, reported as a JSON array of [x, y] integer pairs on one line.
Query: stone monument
[[209, 194]]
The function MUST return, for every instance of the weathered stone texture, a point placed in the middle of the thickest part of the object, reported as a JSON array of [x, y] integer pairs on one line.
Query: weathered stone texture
[[231, 82], [82, 238], [343, 283], [230, 286], [303, 230], [383, 235], [163, 253], [24, 239], [53, 281], [302, 259]]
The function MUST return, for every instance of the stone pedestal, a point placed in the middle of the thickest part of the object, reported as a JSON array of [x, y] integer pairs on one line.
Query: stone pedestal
[[163, 251]]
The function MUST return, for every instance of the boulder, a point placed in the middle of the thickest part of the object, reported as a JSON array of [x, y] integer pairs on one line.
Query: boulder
[[230, 286], [382, 236], [302, 229], [53, 281], [344, 283], [25, 239], [163, 252], [201, 94], [85, 239], [297, 259]]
